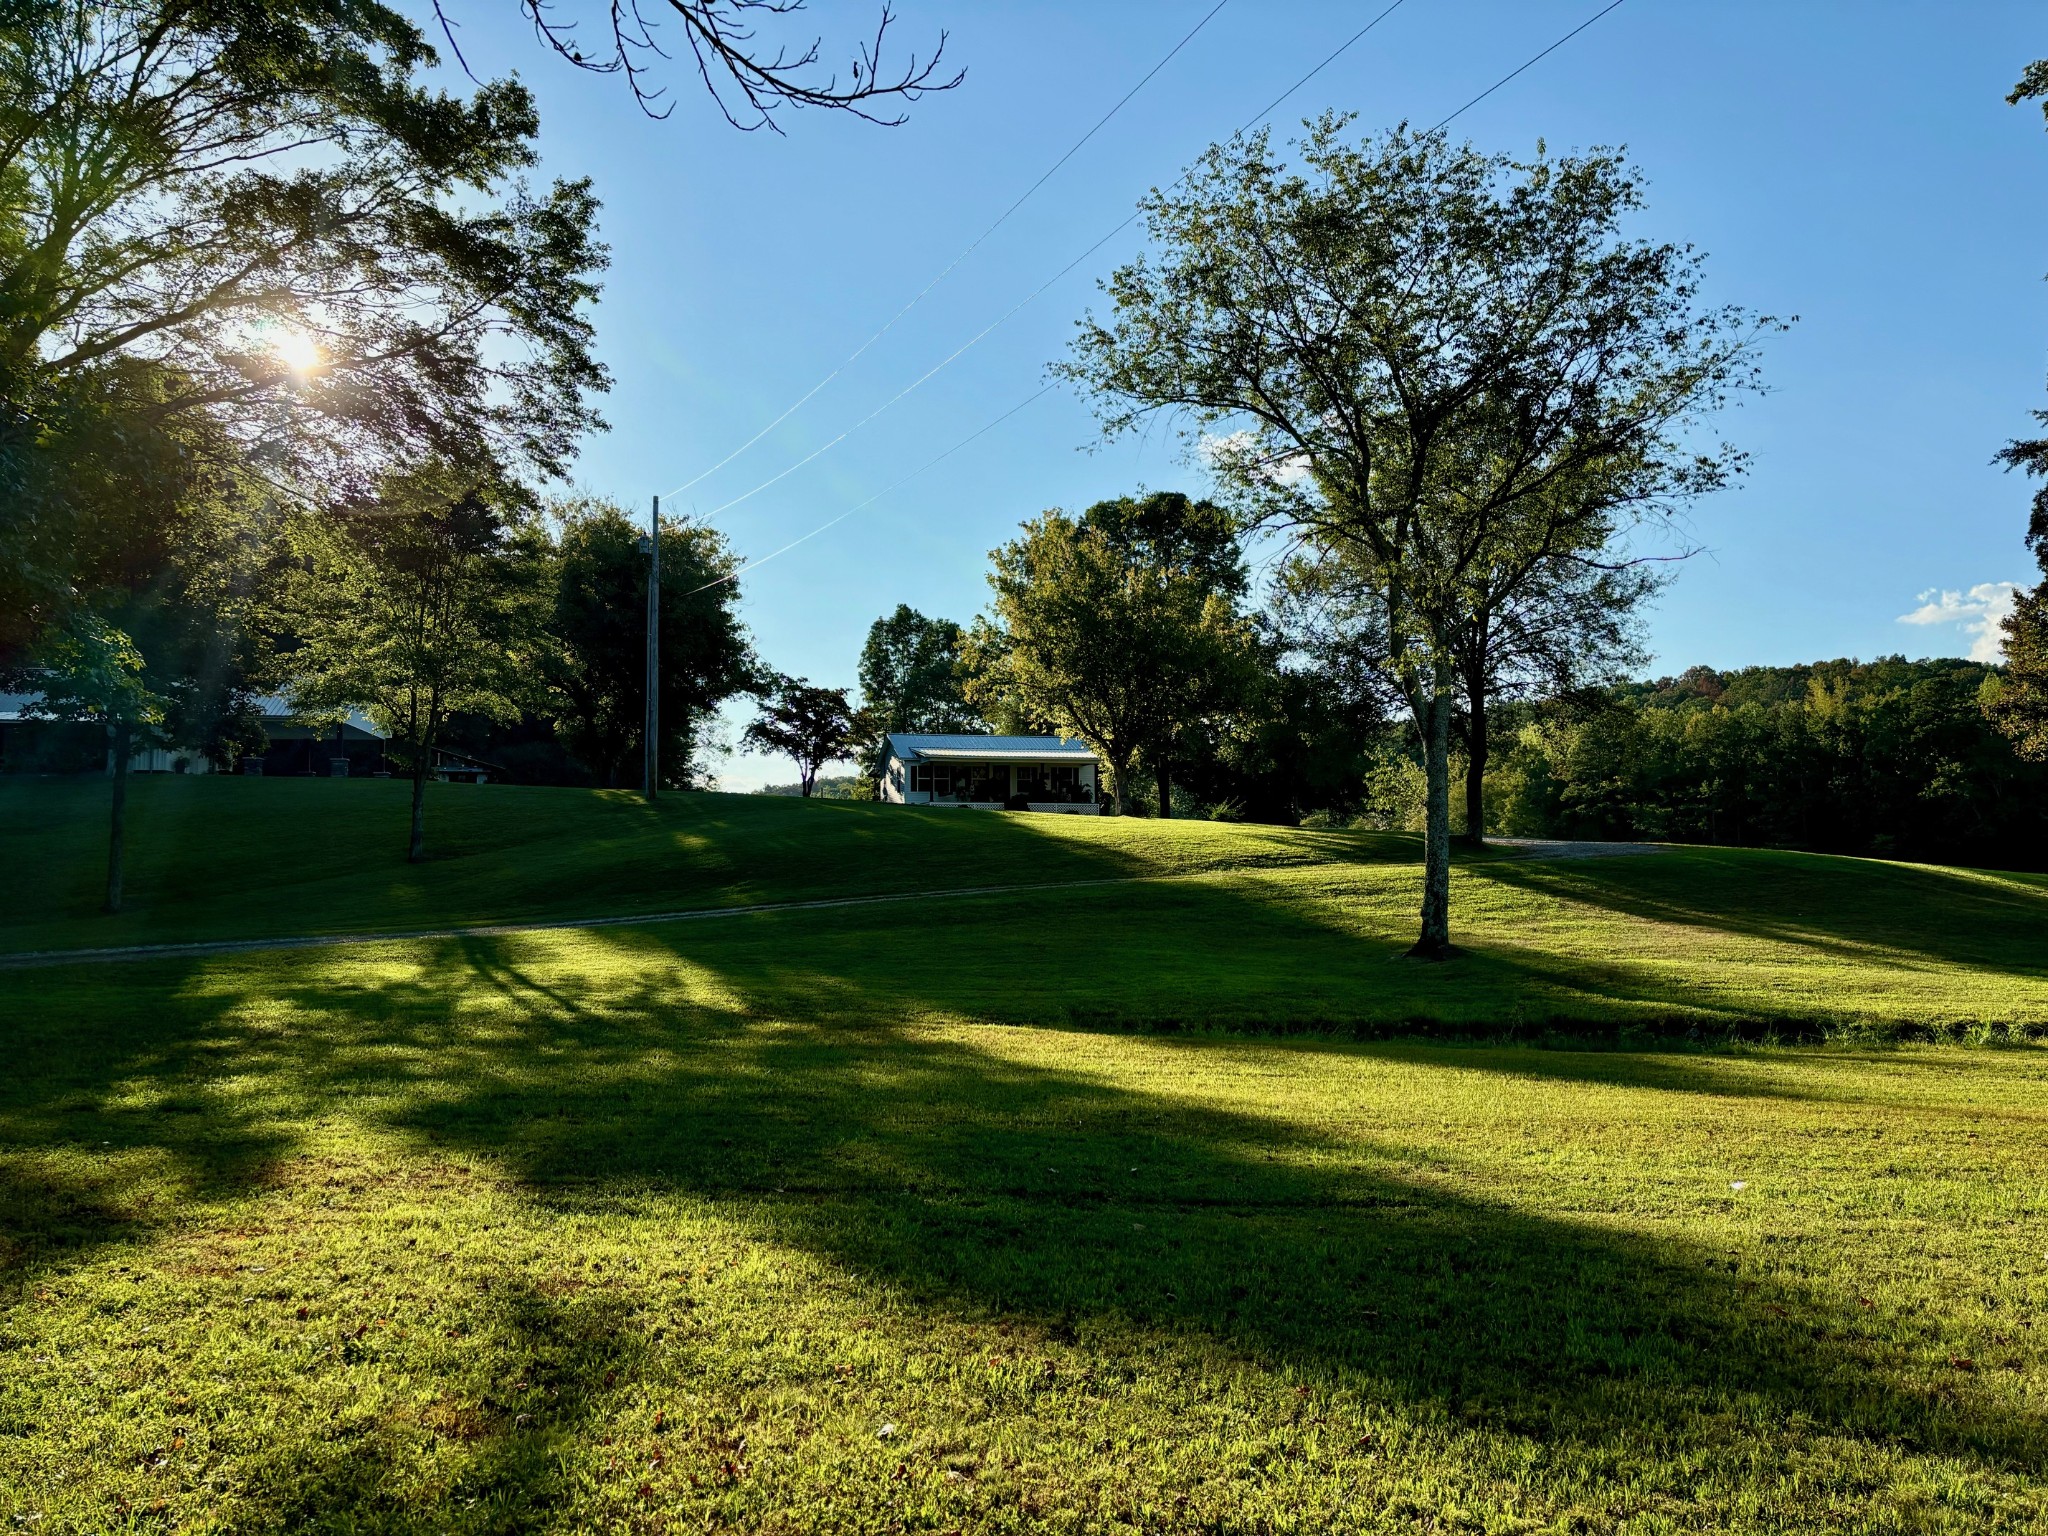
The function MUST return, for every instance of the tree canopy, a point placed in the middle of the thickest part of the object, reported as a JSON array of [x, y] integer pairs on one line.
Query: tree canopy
[[1451, 368], [252, 232], [1121, 640], [812, 726]]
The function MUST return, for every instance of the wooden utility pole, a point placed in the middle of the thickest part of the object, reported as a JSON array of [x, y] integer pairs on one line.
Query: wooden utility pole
[[652, 767]]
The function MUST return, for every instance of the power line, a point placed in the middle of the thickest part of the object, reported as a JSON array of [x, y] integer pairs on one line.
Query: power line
[[1534, 59], [1124, 224], [972, 246], [862, 506], [1043, 389]]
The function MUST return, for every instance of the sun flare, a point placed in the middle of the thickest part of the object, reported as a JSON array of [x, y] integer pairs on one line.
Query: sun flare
[[299, 352]]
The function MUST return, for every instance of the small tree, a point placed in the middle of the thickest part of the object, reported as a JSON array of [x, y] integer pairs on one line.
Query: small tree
[[408, 607], [1566, 633], [812, 726], [1407, 352], [1099, 633], [92, 671]]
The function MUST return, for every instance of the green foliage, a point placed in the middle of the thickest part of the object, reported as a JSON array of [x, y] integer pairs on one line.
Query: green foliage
[[406, 607], [252, 233], [597, 618], [1888, 757], [812, 726], [2017, 702], [1452, 371], [92, 671], [1112, 636], [911, 679]]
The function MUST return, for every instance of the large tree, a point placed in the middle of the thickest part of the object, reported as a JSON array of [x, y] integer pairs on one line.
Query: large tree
[[2019, 704], [1121, 639], [911, 679], [258, 215], [1402, 350], [597, 602]]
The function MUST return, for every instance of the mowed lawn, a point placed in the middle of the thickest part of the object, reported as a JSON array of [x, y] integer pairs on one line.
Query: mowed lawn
[[954, 1216]]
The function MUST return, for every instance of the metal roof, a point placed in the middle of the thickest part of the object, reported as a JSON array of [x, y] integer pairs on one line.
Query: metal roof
[[275, 709], [909, 746]]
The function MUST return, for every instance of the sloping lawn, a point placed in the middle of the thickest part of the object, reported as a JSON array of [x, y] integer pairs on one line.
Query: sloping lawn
[[218, 857], [1113, 1208], [564, 1233]]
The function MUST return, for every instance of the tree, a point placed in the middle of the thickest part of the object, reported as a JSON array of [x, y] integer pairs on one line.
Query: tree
[[407, 606], [92, 671], [810, 725], [258, 216], [1569, 631], [1410, 353], [748, 83], [598, 617], [2019, 705], [911, 679], [1104, 636]]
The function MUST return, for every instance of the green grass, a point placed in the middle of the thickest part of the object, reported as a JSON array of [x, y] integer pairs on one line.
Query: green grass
[[1252, 926], [218, 857], [659, 1228]]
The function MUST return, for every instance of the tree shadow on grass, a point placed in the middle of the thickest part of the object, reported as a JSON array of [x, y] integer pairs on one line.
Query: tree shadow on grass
[[973, 1182], [1848, 907], [1120, 1218]]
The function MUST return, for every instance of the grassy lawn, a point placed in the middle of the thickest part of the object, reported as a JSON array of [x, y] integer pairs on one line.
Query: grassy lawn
[[895, 1218]]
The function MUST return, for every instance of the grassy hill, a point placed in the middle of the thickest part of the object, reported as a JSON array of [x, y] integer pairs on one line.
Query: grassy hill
[[1229, 925], [854, 1220]]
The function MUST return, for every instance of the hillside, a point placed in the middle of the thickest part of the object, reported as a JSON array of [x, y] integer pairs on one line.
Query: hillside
[[912, 1216], [1205, 923]]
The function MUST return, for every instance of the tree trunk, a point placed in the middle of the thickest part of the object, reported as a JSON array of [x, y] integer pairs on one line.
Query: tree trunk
[[1120, 776], [1475, 766], [1164, 774], [1435, 720], [117, 826], [416, 849]]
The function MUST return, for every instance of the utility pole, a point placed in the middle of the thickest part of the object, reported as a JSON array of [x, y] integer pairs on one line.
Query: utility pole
[[652, 768]]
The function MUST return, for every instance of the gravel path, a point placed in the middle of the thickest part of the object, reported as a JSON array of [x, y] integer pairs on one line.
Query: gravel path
[[1561, 848]]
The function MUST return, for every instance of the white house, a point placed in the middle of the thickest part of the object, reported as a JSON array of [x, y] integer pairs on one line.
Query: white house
[[1041, 772]]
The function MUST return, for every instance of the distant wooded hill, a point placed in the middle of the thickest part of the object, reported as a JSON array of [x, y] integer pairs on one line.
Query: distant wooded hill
[[1891, 757]]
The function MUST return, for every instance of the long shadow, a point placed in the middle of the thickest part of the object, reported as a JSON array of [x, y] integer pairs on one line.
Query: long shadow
[[976, 1183], [1830, 905], [962, 1177]]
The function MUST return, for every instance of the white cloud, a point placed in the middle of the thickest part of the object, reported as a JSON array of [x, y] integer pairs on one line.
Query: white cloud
[[1980, 612]]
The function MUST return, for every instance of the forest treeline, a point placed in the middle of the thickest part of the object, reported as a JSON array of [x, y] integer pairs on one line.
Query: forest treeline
[[1892, 758]]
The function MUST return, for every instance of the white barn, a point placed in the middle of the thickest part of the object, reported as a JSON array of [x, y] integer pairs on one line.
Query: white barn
[[1043, 773]]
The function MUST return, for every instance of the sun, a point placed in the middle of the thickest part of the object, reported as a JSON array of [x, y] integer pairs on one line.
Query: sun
[[298, 352]]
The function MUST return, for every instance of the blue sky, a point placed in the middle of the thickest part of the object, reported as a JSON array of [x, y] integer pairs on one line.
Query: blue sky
[[1853, 164]]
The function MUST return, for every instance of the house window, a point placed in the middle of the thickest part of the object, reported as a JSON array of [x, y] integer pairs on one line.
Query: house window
[[1052, 782], [975, 782]]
